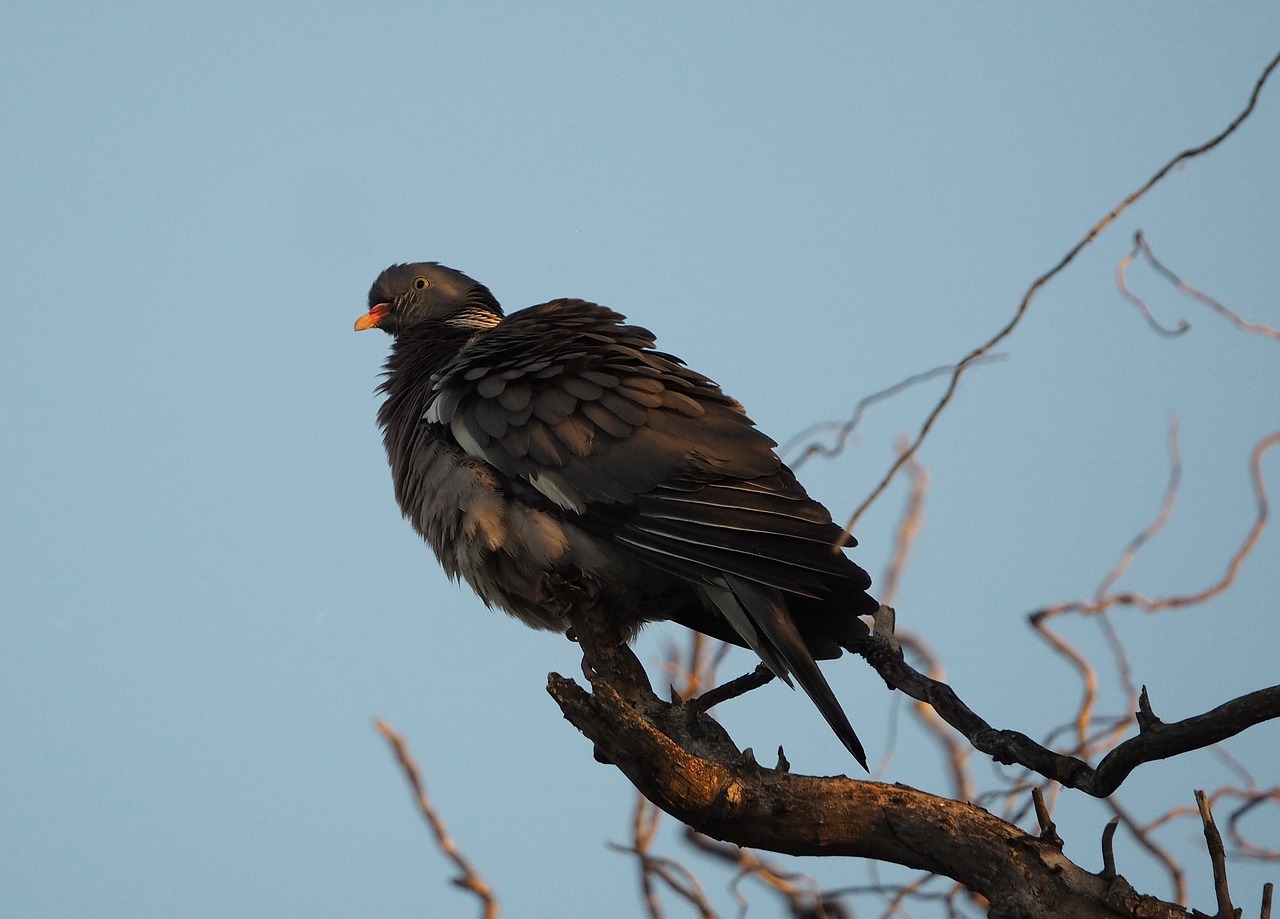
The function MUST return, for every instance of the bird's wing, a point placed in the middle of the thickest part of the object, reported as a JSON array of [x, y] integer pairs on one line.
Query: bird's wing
[[568, 398], [571, 399], [644, 451]]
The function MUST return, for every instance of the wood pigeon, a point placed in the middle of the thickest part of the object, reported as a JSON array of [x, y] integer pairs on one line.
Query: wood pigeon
[[558, 440]]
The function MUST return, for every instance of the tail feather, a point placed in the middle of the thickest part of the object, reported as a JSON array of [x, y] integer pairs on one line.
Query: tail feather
[[771, 632]]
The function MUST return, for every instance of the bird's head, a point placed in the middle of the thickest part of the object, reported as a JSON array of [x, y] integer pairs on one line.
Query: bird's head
[[406, 295]]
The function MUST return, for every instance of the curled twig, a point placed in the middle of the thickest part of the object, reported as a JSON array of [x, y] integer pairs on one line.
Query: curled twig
[[1104, 601], [842, 430], [1252, 798], [1122, 282], [1141, 247]]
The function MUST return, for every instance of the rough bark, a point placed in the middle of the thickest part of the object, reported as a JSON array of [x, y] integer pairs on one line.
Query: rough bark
[[685, 763]]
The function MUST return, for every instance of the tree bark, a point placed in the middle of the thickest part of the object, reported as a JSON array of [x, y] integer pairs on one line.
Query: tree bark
[[686, 764]]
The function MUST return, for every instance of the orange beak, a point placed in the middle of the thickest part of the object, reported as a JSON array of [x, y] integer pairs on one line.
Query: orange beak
[[371, 319]]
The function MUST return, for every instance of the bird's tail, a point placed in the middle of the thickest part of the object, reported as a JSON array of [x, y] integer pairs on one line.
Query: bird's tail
[[759, 614]]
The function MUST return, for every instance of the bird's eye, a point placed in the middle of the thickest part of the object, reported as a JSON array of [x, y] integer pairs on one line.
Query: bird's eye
[[420, 283]]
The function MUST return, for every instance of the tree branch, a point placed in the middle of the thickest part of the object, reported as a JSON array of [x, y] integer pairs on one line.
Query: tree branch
[[1156, 741], [684, 762]]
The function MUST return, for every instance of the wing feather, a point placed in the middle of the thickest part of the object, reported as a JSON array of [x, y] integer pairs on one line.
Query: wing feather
[[639, 449], [605, 420]]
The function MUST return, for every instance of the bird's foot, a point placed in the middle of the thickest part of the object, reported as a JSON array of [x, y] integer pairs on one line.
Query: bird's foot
[[559, 593]]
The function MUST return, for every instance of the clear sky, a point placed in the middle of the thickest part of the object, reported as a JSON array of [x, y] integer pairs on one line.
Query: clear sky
[[206, 591]]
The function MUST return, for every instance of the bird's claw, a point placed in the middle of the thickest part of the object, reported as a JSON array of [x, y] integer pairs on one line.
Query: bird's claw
[[559, 594]]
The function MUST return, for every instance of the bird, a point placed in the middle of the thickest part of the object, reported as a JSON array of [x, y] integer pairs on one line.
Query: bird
[[558, 441]]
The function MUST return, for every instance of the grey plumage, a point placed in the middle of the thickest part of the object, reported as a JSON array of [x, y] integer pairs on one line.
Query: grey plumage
[[558, 439]]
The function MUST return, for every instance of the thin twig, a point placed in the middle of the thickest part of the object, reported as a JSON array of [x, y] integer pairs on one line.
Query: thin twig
[[1252, 799], [676, 876], [1122, 282], [1156, 525], [1044, 279], [803, 896], [643, 829], [909, 526], [1142, 835], [469, 879], [843, 430], [1140, 246]]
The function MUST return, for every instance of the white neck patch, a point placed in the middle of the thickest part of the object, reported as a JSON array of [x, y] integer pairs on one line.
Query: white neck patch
[[474, 319]]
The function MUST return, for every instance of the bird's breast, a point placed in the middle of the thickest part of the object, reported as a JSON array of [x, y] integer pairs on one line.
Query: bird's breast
[[477, 529]]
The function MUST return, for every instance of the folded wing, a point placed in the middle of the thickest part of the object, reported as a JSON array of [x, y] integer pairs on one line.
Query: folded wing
[[640, 450]]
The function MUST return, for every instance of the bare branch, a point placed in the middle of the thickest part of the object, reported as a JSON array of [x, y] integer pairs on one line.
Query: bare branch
[[958, 753], [1044, 279], [686, 764], [469, 879], [1009, 747]]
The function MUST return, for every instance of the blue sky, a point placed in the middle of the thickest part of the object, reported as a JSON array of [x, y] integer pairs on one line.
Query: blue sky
[[206, 592]]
